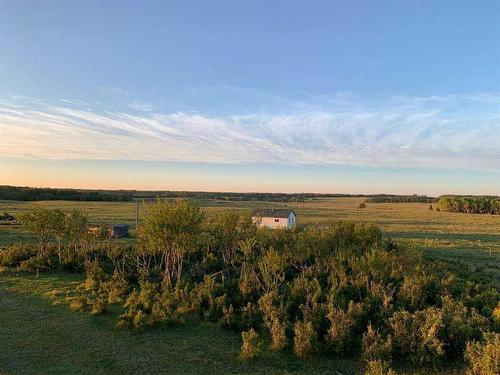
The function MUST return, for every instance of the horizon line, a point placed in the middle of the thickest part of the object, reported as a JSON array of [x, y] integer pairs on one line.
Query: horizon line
[[249, 192]]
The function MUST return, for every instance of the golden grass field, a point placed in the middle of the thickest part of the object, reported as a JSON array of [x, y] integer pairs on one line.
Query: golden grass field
[[463, 238]]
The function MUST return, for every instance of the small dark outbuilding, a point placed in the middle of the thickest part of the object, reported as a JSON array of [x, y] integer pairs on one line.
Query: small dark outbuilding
[[7, 217], [119, 230]]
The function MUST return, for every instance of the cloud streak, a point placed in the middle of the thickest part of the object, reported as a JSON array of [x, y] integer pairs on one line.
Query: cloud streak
[[398, 131], [142, 106]]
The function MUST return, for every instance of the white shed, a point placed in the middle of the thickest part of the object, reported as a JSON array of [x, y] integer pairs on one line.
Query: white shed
[[275, 218]]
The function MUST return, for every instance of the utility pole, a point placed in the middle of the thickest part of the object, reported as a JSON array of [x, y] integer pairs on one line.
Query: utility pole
[[136, 213]]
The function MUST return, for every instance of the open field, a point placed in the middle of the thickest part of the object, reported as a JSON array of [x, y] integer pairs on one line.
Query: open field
[[48, 338], [65, 342], [473, 240]]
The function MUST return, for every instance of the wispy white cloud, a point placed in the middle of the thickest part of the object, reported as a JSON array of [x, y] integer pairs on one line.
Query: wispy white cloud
[[398, 131], [114, 90], [142, 106], [73, 101]]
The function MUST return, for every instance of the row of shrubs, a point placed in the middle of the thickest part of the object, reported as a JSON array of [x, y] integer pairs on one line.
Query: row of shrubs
[[471, 205], [342, 290]]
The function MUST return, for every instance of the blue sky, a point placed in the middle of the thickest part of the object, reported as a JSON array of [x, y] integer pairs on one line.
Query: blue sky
[[328, 96]]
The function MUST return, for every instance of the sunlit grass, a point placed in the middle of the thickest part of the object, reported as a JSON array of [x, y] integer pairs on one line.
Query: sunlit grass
[[468, 238]]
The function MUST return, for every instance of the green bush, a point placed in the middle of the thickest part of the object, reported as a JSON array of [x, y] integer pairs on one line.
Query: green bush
[[305, 291], [208, 299], [341, 332], [419, 290], [228, 319], [95, 276], [461, 324], [378, 367], [250, 348], [115, 289], [483, 358], [376, 346], [250, 315], [496, 316], [278, 335], [150, 306], [416, 336], [304, 339], [248, 283], [37, 264], [275, 318], [80, 303], [12, 256], [98, 306], [139, 305]]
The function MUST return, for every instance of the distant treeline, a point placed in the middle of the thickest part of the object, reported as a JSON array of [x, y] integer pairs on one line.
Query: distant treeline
[[388, 198], [469, 204], [38, 194]]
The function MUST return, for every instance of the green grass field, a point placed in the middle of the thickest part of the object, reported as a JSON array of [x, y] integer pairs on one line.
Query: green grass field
[[40, 335], [473, 240]]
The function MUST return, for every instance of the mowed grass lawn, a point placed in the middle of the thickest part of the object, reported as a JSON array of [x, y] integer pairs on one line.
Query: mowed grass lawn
[[472, 240], [40, 335]]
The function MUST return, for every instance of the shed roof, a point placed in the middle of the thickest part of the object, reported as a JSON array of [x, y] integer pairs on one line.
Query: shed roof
[[273, 212]]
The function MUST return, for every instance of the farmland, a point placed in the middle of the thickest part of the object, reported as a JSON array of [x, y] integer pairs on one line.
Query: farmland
[[65, 341], [472, 240]]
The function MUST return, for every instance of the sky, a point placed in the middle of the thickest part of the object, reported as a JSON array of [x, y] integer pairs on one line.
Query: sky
[[285, 96]]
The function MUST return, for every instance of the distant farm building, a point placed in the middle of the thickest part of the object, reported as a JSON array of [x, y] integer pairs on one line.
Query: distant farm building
[[275, 218], [119, 230]]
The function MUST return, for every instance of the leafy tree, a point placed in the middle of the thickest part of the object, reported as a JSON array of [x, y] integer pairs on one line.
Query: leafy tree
[[44, 224], [172, 229], [74, 228], [226, 232], [54, 224]]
